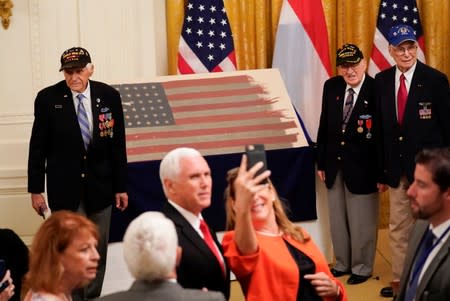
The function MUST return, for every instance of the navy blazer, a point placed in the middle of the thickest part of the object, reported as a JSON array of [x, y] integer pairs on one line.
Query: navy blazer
[[426, 122], [56, 149], [198, 267], [353, 151], [435, 283]]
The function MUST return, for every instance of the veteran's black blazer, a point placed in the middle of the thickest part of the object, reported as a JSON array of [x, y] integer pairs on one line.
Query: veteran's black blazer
[[426, 121], [56, 149], [353, 151], [198, 267]]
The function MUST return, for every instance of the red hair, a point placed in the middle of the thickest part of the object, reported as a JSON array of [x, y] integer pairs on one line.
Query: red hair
[[51, 240]]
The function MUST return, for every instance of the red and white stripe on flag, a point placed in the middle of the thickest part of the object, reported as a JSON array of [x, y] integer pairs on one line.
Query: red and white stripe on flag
[[392, 13], [302, 56], [206, 43]]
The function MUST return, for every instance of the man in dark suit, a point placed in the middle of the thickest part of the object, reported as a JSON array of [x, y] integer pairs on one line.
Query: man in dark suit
[[78, 141], [346, 162], [150, 249], [413, 106], [186, 179], [427, 266]]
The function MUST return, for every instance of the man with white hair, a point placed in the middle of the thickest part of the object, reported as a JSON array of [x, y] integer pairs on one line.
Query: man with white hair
[[187, 183], [150, 248]]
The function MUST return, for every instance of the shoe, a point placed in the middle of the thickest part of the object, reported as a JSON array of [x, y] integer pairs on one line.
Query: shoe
[[337, 273], [357, 279], [387, 292]]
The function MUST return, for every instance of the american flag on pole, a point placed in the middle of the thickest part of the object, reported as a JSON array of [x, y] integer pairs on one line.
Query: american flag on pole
[[391, 13], [301, 54], [216, 115], [206, 43]]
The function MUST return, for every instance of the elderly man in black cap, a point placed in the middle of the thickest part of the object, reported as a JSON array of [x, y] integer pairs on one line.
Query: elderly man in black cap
[[78, 141], [413, 109], [346, 162]]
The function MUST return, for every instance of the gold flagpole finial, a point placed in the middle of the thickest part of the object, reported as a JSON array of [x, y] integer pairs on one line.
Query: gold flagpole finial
[[6, 12]]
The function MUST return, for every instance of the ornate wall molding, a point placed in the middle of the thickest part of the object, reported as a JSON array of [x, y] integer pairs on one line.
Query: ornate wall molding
[[35, 44], [13, 182], [16, 119]]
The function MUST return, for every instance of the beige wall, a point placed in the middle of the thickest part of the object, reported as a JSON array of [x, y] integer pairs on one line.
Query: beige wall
[[127, 42]]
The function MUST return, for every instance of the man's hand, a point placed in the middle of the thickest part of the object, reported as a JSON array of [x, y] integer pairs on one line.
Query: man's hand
[[38, 203], [121, 201], [321, 175]]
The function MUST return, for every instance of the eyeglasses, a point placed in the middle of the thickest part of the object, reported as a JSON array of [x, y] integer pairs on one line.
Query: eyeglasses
[[349, 68], [402, 50]]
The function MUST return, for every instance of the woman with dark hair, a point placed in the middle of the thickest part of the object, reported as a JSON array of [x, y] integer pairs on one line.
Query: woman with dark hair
[[63, 257], [272, 258]]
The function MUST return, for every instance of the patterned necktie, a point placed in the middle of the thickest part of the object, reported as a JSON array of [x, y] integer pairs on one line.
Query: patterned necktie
[[83, 121], [210, 242], [402, 94], [422, 254], [348, 108]]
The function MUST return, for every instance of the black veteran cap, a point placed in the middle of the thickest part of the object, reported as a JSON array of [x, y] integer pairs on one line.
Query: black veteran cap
[[348, 54], [75, 57]]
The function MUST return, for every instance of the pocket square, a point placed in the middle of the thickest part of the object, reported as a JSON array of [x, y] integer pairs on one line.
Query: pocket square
[[58, 106]]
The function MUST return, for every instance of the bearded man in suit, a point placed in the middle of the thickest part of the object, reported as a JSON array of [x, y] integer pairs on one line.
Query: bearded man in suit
[[346, 162], [78, 141], [413, 105], [425, 276], [187, 183], [150, 250]]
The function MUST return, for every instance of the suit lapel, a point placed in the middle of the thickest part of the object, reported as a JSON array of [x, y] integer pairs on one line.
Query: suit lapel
[[358, 106], [188, 231], [414, 93], [71, 114], [96, 105], [435, 263]]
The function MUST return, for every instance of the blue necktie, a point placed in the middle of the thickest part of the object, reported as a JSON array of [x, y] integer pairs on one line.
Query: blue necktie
[[348, 108], [83, 121], [424, 251]]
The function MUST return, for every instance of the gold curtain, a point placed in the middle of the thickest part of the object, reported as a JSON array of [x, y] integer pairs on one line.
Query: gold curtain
[[254, 24]]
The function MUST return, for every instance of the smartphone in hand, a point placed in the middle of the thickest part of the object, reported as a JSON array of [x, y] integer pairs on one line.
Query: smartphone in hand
[[256, 153], [3, 269]]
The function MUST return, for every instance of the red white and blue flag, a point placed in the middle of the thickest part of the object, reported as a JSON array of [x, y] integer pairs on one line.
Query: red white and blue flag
[[206, 43], [302, 56], [392, 13], [215, 113]]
